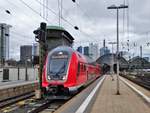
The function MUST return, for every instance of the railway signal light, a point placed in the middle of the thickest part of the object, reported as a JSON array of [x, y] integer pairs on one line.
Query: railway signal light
[[40, 33], [37, 35]]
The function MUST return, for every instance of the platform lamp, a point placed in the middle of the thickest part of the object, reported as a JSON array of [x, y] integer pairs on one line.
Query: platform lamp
[[117, 8], [112, 60]]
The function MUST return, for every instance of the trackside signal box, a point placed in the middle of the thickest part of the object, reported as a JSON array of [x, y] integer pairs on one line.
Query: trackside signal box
[[57, 36]]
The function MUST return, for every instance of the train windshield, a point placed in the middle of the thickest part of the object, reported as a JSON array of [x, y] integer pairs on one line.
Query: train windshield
[[58, 64]]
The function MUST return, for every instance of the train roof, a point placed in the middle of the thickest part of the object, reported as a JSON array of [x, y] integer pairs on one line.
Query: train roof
[[71, 50], [90, 60], [62, 48]]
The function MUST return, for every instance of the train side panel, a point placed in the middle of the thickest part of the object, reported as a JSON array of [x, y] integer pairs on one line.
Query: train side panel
[[72, 72], [79, 73]]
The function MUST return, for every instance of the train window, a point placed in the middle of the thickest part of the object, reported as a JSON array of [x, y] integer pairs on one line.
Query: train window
[[84, 67], [78, 68]]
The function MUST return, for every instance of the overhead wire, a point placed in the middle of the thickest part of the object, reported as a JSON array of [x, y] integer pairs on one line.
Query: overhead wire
[[83, 11], [46, 9], [58, 11], [23, 12], [43, 9], [61, 9], [128, 20], [65, 20], [40, 13], [21, 38], [25, 36], [86, 14], [53, 13], [13, 15], [124, 19], [33, 10], [44, 14]]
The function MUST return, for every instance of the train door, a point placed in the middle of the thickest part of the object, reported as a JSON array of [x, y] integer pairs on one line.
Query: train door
[[81, 73]]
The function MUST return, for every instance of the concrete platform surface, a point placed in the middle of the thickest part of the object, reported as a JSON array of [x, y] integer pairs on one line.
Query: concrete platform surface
[[74, 104], [127, 102], [4, 85]]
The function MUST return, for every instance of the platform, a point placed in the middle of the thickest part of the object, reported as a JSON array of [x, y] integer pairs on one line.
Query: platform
[[16, 88], [127, 102], [4, 85]]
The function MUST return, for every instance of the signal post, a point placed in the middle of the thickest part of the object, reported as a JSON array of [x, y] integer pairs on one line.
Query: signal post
[[40, 37]]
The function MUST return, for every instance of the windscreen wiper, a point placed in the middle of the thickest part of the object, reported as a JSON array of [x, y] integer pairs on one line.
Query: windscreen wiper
[[60, 70]]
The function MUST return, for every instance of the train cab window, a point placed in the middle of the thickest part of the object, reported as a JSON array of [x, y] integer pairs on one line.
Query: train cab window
[[58, 63]]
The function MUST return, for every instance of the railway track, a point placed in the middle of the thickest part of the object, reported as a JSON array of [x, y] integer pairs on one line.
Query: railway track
[[31, 105], [28, 104], [49, 107], [12, 100], [144, 84]]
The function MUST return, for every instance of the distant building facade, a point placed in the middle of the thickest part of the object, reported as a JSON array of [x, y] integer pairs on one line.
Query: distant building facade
[[4, 42], [86, 50], [93, 51], [79, 49], [104, 50], [25, 52]]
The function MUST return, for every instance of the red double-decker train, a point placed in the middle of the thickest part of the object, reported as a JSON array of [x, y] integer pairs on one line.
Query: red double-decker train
[[66, 70]]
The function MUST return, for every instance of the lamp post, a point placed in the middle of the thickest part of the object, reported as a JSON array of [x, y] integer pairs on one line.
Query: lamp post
[[117, 8], [112, 60], [141, 55]]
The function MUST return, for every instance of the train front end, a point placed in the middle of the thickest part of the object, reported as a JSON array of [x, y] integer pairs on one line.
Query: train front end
[[56, 77]]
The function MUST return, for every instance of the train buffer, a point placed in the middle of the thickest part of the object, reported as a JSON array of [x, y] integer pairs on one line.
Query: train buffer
[[105, 99]]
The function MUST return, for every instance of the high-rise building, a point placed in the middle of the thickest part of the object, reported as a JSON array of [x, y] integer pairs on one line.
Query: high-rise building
[[4, 42], [86, 50], [79, 49], [104, 50], [25, 52], [93, 51]]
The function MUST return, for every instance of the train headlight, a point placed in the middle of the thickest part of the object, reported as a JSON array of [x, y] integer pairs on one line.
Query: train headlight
[[64, 77], [48, 77]]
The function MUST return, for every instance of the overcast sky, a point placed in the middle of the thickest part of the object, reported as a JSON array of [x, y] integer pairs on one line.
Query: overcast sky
[[92, 17]]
